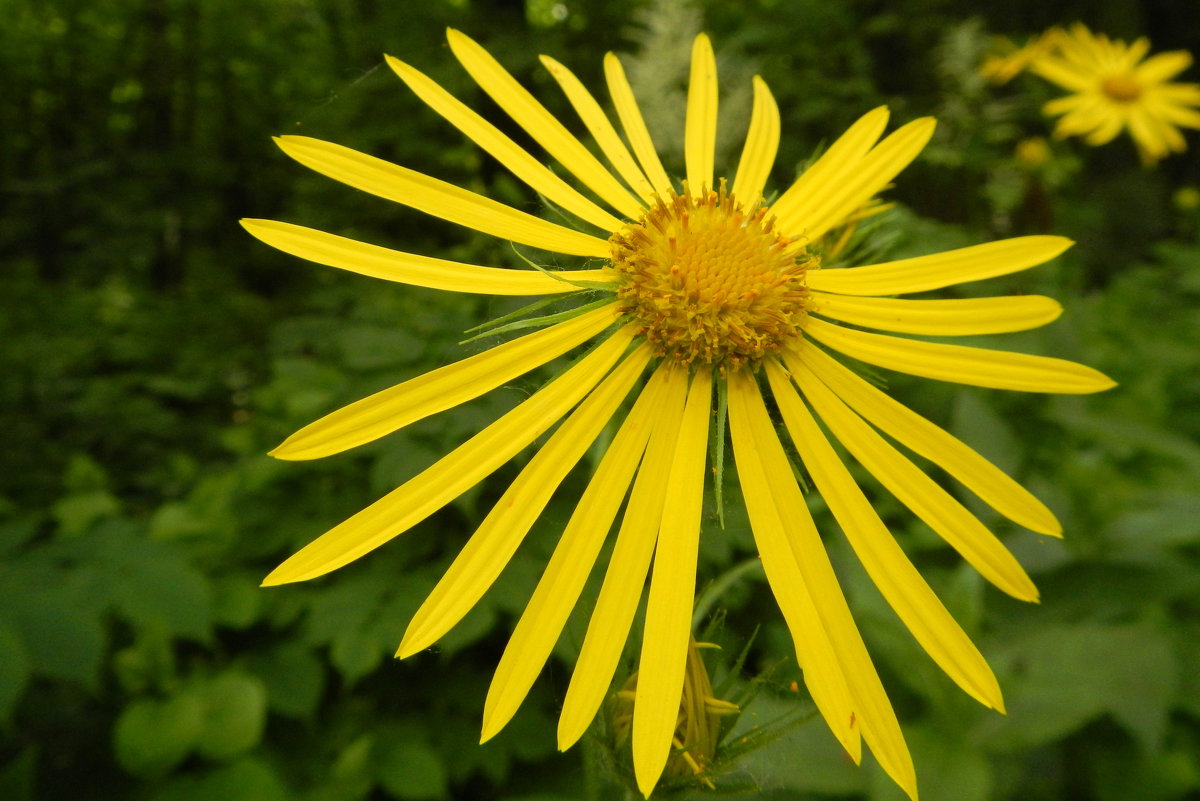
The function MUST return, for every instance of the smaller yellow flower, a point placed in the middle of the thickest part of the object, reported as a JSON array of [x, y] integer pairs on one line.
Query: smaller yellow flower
[[1007, 61], [1032, 152], [1115, 89]]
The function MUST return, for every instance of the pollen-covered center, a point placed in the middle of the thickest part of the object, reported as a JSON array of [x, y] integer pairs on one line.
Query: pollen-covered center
[[708, 280], [1121, 88]]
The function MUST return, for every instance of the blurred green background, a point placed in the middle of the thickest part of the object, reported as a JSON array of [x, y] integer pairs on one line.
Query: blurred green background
[[151, 353]]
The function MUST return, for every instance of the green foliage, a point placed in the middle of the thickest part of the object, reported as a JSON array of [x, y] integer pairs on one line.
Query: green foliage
[[153, 354]]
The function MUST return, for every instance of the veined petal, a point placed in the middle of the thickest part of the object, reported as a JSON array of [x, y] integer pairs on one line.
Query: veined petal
[[940, 317], [495, 541], [960, 364], [672, 587], [438, 198], [503, 149], [539, 123], [409, 268], [937, 445], [762, 143], [877, 719], [454, 473], [444, 388], [635, 127], [601, 129], [822, 671], [700, 130], [891, 571], [938, 270], [617, 602], [831, 203], [949, 518], [558, 590], [842, 158]]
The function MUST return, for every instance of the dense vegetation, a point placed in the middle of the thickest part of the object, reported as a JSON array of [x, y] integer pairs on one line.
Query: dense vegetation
[[153, 353]]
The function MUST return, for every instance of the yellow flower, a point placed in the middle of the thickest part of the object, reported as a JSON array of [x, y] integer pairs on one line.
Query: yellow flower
[[704, 284], [1116, 90]]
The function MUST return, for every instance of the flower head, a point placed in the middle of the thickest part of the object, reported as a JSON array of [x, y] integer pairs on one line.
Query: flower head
[[705, 285], [1116, 88]]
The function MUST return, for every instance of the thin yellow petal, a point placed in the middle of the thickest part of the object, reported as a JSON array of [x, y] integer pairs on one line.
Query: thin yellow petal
[[454, 473], [409, 268], [542, 622], [601, 129], [960, 364], [1059, 72], [700, 130], [672, 587], [878, 721], [539, 123], [617, 602], [438, 198], [1163, 66], [842, 158], [495, 541], [634, 126], [823, 673], [762, 143], [937, 445], [946, 516], [503, 149], [938, 270], [891, 571], [940, 317], [444, 388], [832, 202]]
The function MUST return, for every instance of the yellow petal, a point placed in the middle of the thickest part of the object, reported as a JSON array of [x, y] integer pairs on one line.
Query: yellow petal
[[923, 437], [961, 364], [938, 270], [539, 123], [842, 158], [444, 388], [1163, 66], [877, 719], [634, 126], [762, 143], [503, 149], [672, 587], [454, 473], [569, 566], [601, 129], [940, 317], [832, 202], [949, 518], [409, 268], [627, 567], [441, 199], [700, 130], [891, 571], [823, 673], [495, 541]]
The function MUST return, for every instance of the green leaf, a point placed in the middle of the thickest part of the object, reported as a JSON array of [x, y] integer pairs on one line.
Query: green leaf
[[244, 780], [151, 737], [79, 512], [293, 677], [949, 768], [406, 765], [1061, 677], [17, 778], [235, 711]]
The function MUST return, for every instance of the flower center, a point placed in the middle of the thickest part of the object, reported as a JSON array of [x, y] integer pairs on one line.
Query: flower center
[[1121, 88], [709, 280]]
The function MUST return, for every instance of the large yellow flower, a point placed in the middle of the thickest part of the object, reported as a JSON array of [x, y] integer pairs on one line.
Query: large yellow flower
[[704, 284], [1116, 90]]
